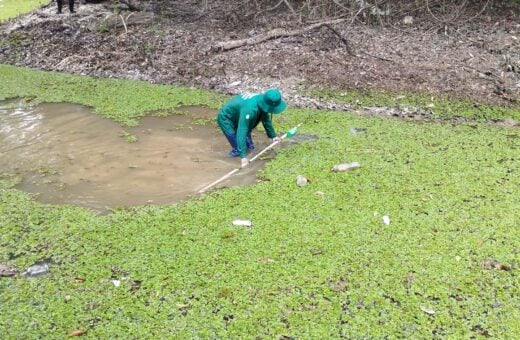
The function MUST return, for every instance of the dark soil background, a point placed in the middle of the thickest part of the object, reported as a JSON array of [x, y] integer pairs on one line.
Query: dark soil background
[[474, 54]]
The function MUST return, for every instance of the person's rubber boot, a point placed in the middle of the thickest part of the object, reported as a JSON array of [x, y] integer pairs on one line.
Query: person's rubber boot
[[233, 153], [249, 143]]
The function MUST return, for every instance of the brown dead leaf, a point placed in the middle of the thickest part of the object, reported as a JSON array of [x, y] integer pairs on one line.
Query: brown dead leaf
[[409, 280], [77, 332], [339, 286], [135, 285], [265, 260], [79, 279], [494, 264], [7, 270]]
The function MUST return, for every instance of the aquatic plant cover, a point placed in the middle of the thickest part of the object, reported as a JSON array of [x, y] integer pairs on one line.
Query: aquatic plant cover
[[318, 261]]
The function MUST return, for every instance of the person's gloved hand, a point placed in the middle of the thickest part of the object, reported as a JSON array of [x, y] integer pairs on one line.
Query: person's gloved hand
[[244, 162], [276, 139]]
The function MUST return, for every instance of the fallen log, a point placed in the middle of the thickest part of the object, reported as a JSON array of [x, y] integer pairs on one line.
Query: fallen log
[[273, 34]]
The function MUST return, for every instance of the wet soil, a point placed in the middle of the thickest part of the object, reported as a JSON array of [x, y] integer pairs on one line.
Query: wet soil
[[65, 153], [475, 57]]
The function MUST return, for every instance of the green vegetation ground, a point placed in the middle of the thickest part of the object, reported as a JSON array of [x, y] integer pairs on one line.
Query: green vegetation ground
[[12, 8], [120, 100], [440, 106], [318, 261]]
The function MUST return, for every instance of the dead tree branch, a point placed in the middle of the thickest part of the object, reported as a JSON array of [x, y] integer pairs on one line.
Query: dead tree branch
[[132, 6], [343, 39], [273, 34]]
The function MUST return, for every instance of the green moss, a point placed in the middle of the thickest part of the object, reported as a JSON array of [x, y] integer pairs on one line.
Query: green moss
[[440, 106], [311, 266], [13, 8], [130, 138]]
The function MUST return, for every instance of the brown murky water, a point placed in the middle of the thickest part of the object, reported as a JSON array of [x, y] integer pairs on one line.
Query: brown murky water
[[67, 154]]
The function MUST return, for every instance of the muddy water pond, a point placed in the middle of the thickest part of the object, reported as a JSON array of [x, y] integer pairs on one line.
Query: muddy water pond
[[66, 154]]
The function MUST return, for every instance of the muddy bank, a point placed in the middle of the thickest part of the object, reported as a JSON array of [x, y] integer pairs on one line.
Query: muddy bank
[[479, 60]]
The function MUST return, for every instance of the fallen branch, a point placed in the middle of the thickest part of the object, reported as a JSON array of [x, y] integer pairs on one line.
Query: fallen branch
[[375, 57], [125, 21], [132, 6], [343, 39], [273, 34], [290, 7]]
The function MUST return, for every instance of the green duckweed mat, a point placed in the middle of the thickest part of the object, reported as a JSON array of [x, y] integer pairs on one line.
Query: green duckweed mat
[[318, 262], [13, 8]]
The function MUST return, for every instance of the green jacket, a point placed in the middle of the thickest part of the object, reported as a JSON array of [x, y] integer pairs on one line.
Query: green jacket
[[240, 115]]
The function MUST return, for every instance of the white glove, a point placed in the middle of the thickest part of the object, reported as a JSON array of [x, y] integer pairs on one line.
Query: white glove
[[244, 162], [276, 139]]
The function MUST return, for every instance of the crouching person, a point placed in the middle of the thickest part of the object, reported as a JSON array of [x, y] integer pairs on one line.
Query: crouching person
[[242, 113]]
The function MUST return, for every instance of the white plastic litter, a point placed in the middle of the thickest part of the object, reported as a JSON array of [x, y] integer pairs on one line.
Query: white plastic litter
[[427, 310], [386, 220], [346, 167], [36, 270], [301, 181], [357, 131], [243, 223]]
